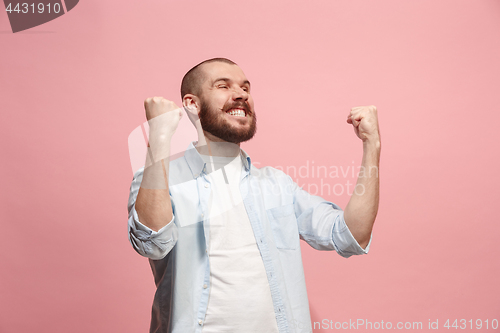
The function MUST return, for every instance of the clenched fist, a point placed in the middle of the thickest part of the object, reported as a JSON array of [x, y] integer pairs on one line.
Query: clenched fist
[[365, 122], [163, 115]]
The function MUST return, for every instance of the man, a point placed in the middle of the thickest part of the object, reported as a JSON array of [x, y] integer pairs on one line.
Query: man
[[222, 236]]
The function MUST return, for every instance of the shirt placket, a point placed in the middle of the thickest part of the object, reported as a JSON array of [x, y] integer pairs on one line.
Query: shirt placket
[[204, 190], [249, 202]]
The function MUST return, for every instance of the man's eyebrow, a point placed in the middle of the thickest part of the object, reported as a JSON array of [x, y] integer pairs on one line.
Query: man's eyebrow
[[227, 80]]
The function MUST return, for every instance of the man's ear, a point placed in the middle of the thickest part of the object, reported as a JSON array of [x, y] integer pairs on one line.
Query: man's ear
[[191, 104]]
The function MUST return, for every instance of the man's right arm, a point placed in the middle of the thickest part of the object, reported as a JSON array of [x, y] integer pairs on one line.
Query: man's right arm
[[151, 215]]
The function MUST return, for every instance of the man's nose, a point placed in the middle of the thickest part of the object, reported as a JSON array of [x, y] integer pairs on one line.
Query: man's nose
[[240, 93]]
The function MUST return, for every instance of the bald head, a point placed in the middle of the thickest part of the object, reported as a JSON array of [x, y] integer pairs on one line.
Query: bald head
[[194, 78]]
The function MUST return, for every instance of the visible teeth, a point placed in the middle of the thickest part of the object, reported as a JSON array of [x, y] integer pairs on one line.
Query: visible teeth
[[237, 113]]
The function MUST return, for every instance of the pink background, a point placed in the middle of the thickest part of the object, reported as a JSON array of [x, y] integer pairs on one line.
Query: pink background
[[72, 91]]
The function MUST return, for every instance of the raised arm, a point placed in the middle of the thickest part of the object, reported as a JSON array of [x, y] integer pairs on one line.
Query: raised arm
[[362, 208], [153, 204]]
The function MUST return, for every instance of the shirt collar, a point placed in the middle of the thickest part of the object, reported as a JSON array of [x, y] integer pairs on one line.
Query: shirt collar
[[197, 165]]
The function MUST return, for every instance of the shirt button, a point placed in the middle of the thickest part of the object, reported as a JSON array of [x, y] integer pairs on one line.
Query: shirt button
[[195, 176], [200, 321], [205, 286], [206, 185], [202, 215]]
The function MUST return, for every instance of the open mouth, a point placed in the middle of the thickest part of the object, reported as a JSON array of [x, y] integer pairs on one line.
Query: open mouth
[[236, 112]]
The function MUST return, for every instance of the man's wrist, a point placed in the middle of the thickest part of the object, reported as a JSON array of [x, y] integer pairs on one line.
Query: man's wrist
[[159, 145], [160, 137], [372, 143]]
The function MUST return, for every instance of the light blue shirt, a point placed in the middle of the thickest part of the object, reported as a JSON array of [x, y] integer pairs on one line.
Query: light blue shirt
[[280, 213]]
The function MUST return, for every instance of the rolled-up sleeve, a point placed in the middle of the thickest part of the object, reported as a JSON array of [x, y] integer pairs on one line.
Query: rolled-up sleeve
[[343, 240], [147, 242], [321, 224]]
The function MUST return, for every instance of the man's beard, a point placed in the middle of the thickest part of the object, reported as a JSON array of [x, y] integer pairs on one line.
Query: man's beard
[[213, 122]]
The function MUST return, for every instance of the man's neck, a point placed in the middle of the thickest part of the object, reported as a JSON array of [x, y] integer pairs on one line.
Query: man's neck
[[213, 146]]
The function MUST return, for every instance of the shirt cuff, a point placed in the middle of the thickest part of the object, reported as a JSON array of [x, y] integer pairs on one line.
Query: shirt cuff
[[345, 243], [149, 243]]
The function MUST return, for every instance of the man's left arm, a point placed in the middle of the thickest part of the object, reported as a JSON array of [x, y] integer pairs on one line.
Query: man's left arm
[[360, 212]]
